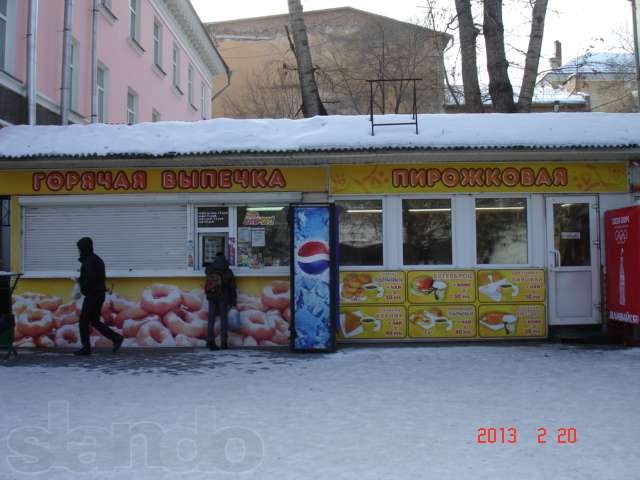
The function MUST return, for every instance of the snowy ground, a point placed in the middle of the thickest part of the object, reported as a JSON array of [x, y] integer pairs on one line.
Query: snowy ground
[[362, 413]]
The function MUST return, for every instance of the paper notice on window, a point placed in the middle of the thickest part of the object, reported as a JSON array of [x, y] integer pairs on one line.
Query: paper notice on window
[[570, 235], [244, 235], [258, 238]]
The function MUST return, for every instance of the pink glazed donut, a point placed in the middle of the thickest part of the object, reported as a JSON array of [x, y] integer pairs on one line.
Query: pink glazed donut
[[160, 299]]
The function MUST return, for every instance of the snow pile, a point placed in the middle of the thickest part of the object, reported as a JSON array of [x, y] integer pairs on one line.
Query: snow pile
[[362, 413], [462, 131]]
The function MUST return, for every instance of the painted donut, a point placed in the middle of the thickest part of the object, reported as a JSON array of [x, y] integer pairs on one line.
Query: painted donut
[[49, 303], [67, 336], [248, 302], [185, 322], [193, 300], [131, 326], [184, 341], [66, 314], [44, 341], [154, 334], [160, 299], [34, 322], [276, 295], [256, 324]]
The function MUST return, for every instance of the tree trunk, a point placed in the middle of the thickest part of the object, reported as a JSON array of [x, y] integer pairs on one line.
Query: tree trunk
[[468, 35], [311, 103], [497, 65], [533, 56]]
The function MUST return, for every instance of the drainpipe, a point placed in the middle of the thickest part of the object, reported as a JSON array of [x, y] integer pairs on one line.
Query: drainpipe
[[94, 62], [32, 29], [65, 91]]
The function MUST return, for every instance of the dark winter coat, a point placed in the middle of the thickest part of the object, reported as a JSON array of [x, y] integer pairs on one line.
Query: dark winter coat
[[92, 274], [221, 265]]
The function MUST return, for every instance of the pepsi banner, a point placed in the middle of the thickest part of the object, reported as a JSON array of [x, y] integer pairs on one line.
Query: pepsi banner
[[313, 278]]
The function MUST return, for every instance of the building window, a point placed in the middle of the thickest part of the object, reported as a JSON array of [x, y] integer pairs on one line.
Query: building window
[[176, 67], [360, 232], [101, 91], [501, 231], [263, 236], [190, 85], [155, 116], [134, 19], [203, 100], [157, 43], [3, 33], [132, 107], [426, 231], [74, 77]]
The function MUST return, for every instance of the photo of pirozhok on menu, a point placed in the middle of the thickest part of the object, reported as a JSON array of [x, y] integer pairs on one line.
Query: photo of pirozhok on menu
[[426, 285], [360, 287], [429, 318], [496, 287], [498, 321]]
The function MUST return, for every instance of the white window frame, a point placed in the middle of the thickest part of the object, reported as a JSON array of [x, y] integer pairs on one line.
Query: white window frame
[[4, 41], [397, 221], [74, 74], [203, 104], [157, 43], [134, 20], [472, 243], [156, 116], [132, 112], [387, 236], [101, 90], [175, 67], [190, 93]]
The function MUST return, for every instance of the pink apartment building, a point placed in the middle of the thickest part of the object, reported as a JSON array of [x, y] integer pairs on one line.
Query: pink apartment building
[[153, 61]]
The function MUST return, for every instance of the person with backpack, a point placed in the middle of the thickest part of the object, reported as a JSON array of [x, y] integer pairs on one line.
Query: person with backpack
[[220, 289]]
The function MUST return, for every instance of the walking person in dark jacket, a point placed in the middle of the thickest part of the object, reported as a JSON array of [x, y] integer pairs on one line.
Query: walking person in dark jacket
[[220, 289], [92, 286]]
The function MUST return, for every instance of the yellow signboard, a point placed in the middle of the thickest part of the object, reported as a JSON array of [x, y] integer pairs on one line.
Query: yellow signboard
[[442, 321], [168, 180], [512, 320], [508, 286], [373, 322], [372, 287], [479, 177], [441, 286]]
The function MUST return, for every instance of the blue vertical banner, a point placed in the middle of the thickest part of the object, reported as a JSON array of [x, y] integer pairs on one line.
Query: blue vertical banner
[[313, 278]]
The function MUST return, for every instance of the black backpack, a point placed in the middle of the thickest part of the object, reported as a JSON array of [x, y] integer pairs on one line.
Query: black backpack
[[213, 287]]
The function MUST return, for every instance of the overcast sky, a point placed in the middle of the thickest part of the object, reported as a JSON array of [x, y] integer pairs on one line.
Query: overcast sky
[[580, 25]]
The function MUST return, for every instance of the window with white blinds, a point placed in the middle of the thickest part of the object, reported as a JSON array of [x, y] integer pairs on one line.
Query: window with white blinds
[[127, 237]]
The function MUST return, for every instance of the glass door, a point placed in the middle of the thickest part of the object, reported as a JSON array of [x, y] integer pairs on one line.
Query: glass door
[[574, 262]]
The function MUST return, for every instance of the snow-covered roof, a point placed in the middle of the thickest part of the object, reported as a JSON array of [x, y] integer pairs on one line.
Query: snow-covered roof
[[548, 94], [599, 63], [325, 134]]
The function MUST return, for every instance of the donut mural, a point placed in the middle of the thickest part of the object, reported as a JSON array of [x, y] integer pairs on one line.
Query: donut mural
[[158, 313]]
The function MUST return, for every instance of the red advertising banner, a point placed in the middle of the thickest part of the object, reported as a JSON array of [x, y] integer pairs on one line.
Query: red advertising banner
[[623, 264]]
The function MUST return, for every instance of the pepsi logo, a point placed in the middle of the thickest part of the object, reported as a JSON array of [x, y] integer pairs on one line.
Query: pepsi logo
[[313, 257]]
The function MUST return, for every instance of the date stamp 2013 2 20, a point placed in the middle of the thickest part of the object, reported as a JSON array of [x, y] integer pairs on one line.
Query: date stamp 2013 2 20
[[510, 435]]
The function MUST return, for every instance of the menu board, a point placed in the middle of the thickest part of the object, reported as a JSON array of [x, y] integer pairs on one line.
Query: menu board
[[372, 287], [511, 286], [512, 320], [373, 322], [442, 321], [441, 286]]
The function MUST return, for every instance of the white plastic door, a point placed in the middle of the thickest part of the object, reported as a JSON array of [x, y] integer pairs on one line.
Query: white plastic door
[[574, 262]]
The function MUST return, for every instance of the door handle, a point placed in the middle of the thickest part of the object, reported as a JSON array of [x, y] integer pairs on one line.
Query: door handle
[[556, 258]]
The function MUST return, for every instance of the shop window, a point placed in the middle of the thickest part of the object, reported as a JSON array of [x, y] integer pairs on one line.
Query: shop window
[[263, 237], [360, 232], [501, 231], [426, 231]]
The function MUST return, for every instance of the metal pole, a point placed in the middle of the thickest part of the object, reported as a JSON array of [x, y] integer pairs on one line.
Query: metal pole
[[32, 61], [94, 62], [65, 91], [636, 48]]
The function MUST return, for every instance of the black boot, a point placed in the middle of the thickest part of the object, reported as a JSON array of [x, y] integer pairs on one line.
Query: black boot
[[82, 351], [117, 343], [211, 344]]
